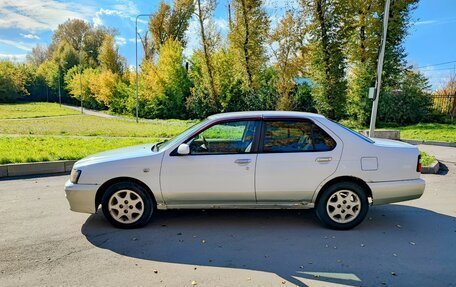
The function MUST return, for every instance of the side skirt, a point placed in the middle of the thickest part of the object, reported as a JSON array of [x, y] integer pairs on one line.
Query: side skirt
[[271, 205]]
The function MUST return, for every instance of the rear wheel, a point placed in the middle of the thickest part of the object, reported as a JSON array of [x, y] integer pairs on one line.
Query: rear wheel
[[127, 205], [342, 206]]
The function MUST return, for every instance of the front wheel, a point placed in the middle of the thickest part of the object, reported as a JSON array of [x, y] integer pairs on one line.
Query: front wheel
[[127, 205], [342, 206]]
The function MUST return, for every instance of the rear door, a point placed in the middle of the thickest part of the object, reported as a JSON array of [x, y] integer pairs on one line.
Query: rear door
[[295, 156]]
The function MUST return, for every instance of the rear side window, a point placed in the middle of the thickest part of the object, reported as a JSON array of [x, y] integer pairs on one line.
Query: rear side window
[[295, 136]]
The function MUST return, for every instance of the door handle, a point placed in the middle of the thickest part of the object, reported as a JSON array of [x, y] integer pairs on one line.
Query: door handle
[[243, 161], [323, 159]]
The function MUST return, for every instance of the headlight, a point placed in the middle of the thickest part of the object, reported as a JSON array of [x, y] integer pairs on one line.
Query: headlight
[[75, 174]]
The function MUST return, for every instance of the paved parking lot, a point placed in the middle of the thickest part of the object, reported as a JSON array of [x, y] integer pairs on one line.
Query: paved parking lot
[[406, 244]]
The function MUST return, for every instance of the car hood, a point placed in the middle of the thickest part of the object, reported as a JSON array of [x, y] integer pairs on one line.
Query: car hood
[[391, 143], [117, 154]]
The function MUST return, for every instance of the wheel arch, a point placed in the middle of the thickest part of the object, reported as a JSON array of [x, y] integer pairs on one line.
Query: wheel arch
[[101, 190], [346, 178]]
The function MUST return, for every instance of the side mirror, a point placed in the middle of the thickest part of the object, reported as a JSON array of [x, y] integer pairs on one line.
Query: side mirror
[[183, 149]]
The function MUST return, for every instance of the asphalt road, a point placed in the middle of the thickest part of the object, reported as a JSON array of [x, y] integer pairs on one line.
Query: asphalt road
[[42, 243]]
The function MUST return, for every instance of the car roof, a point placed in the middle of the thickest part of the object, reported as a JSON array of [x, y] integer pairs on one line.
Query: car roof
[[264, 114]]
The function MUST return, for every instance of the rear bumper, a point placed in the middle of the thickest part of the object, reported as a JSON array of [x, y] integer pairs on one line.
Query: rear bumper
[[395, 191], [81, 196]]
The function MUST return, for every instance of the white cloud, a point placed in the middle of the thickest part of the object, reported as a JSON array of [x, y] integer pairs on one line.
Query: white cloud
[[39, 15], [13, 57], [121, 41], [17, 44], [125, 9], [30, 36]]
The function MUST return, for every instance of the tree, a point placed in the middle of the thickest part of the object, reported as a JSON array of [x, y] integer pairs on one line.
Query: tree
[[48, 72], [364, 24], [37, 56], [247, 37], [75, 80], [286, 42], [108, 56], [327, 61], [12, 81], [81, 36], [209, 39], [103, 86], [170, 23], [165, 85]]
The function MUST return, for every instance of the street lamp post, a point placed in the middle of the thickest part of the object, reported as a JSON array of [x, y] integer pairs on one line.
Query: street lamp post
[[136, 61], [60, 96], [379, 70]]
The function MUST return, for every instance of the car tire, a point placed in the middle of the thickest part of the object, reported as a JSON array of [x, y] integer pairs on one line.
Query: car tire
[[127, 205], [342, 206]]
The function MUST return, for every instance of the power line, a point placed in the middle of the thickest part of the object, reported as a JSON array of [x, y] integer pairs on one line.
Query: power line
[[440, 69], [438, 64]]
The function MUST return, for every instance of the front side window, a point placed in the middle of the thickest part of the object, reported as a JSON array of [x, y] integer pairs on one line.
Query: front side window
[[295, 136], [225, 138]]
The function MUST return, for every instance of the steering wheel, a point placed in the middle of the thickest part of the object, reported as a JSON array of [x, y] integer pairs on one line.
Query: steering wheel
[[205, 144]]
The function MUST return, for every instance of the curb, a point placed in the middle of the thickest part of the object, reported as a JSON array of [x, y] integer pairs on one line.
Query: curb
[[431, 169], [417, 142], [36, 168]]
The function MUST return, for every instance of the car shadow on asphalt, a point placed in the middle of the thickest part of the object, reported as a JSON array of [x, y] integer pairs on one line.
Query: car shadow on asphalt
[[395, 245]]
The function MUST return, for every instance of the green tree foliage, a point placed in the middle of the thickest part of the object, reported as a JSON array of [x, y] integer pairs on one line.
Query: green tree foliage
[[12, 81], [165, 85], [365, 29], [286, 42], [407, 103], [48, 72], [247, 38], [108, 56], [170, 22], [327, 61]]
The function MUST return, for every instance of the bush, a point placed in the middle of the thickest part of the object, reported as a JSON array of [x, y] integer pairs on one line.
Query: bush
[[409, 104]]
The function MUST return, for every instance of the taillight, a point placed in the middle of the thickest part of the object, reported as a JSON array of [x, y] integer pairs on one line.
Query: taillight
[[418, 165]]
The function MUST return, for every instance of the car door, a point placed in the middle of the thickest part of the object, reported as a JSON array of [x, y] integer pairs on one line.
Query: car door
[[220, 168], [295, 156]]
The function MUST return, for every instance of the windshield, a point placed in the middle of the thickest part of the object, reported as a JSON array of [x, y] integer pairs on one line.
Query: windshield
[[369, 140], [183, 135]]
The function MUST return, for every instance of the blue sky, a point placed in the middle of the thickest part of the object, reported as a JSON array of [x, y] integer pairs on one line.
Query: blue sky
[[25, 23]]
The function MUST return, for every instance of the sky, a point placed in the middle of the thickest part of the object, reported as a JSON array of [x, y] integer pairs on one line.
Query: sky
[[25, 23]]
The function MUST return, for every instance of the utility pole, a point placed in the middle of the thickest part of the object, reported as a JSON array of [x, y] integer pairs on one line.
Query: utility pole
[[136, 62], [379, 70], [80, 70], [60, 96]]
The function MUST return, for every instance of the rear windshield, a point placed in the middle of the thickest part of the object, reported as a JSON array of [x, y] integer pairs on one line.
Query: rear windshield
[[369, 140]]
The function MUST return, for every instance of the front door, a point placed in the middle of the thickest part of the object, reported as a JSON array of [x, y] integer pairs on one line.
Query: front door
[[220, 168], [295, 157]]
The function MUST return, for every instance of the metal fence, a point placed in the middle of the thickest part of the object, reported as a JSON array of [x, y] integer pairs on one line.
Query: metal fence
[[445, 104]]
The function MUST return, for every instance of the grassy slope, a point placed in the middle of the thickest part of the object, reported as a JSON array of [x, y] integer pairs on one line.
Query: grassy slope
[[48, 148], [93, 126], [33, 110], [39, 136]]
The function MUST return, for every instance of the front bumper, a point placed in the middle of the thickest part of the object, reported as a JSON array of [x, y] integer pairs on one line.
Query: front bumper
[[81, 196], [395, 191]]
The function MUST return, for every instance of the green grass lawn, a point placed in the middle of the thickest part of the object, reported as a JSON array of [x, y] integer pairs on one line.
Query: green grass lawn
[[94, 126], [33, 110], [31, 132], [48, 148], [426, 159], [429, 132]]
